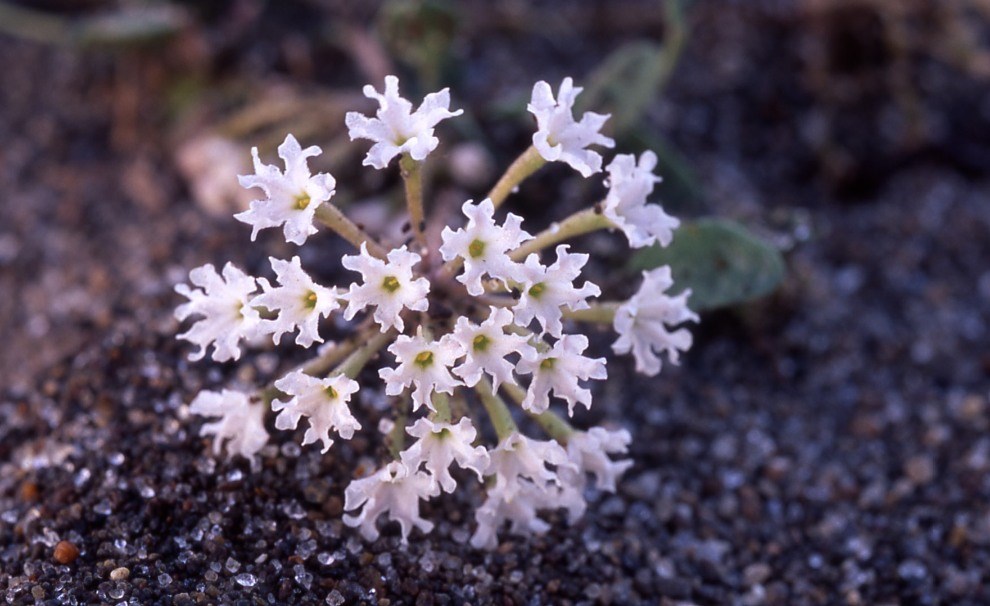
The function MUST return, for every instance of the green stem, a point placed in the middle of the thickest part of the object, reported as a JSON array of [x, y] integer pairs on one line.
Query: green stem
[[412, 176], [581, 222], [34, 25], [331, 216], [441, 402], [357, 360], [597, 313], [553, 424], [321, 364], [397, 437], [497, 411], [525, 165]]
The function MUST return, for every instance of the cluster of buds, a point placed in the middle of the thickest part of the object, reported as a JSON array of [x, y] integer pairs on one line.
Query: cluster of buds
[[478, 319]]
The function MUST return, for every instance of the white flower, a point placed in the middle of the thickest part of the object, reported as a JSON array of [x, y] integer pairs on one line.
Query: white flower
[[642, 322], [523, 485], [396, 128], [626, 207], [484, 245], [518, 458], [424, 364], [547, 289], [323, 401], [291, 198], [487, 346], [389, 287], [299, 301], [241, 424], [394, 489], [519, 508], [589, 451], [224, 304], [559, 370], [558, 136], [439, 445]]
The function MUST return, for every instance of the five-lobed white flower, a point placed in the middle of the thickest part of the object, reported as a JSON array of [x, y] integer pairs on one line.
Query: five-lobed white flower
[[224, 303], [292, 197], [630, 184], [519, 508], [396, 128], [518, 459], [241, 425], [559, 369], [322, 401], [484, 246], [486, 347], [523, 485], [642, 322], [393, 489], [547, 289], [299, 301], [389, 287], [423, 364], [589, 451], [559, 136], [439, 445]]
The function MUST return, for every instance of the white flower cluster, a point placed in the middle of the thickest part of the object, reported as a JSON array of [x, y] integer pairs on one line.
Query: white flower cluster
[[508, 330]]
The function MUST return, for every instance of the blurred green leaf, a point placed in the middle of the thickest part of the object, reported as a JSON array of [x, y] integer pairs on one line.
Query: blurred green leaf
[[632, 76], [681, 189], [721, 261], [420, 33], [123, 27], [131, 25]]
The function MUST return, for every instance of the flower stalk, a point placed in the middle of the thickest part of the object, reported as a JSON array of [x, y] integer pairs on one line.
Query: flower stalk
[[597, 313], [330, 215], [525, 165], [580, 223], [498, 412], [412, 177], [553, 424]]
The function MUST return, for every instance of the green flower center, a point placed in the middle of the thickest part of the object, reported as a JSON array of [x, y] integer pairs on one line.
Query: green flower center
[[443, 434], [537, 289], [481, 343], [391, 283], [302, 201], [476, 248], [548, 363], [424, 359], [309, 301], [331, 393]]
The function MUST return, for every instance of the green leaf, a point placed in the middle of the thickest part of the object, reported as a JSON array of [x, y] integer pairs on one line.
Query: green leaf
[[420, 33], [632, 77], [721, 261]]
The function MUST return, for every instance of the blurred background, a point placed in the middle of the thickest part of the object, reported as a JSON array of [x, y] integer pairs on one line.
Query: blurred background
[[124, 122]]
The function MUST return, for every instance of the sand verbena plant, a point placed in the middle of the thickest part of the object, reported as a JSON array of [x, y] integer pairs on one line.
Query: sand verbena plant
[[511, 303]]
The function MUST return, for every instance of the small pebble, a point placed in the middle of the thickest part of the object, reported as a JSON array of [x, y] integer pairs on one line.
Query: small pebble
[[119, 574], [65, 552]]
